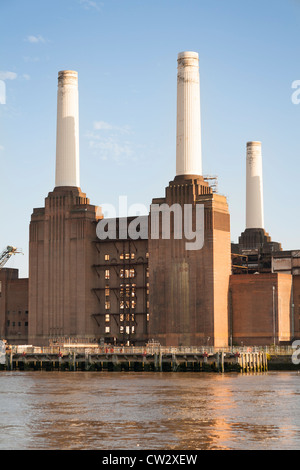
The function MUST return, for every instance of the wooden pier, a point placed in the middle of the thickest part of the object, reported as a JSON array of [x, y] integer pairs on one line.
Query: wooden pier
[[253, 362], [130, 360]]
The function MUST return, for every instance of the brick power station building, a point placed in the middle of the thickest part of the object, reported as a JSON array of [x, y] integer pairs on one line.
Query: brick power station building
[[132, 283]]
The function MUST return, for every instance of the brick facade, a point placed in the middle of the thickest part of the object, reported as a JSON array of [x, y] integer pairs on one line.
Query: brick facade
[[13, 307], [261, 308], [189, 289]]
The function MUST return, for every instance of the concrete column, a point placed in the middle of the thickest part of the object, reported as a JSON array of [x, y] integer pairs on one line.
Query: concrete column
[[67, 135], [188, 140], [254, 186]]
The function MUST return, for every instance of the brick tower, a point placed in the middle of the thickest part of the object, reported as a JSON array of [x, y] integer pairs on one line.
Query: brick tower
[[189, 287], [61, 238]]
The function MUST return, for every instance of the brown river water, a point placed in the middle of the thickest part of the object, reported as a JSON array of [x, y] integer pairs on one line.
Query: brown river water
[[145, 410]]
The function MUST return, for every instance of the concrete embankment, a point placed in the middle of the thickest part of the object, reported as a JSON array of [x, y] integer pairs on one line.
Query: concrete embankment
[[282, 362]]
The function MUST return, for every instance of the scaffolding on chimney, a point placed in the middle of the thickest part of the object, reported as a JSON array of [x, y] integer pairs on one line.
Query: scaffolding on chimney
[[239, 263], [213, 182]]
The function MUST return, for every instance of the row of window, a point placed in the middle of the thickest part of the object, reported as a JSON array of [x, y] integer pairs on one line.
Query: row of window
[[124, 304], [124, 273], [123, 317], [122, 328], [124, 256], [127, 290], [126, 329], [14, 323]]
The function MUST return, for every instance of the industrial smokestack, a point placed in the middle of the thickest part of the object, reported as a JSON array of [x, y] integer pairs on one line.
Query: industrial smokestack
[[67, 135], [254, 186], [188, 141]]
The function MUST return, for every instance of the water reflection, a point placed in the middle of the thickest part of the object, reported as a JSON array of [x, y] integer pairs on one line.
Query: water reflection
[[89, 410]]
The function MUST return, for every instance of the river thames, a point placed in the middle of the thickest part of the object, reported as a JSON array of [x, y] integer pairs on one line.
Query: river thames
[[145, 410]]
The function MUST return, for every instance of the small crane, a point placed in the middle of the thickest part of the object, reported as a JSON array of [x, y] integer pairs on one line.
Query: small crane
[[6, 254]]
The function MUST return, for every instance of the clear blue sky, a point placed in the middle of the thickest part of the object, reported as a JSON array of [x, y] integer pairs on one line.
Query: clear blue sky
[[125, 52]]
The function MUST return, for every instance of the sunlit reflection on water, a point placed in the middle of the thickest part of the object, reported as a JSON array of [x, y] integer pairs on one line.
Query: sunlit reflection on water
[[92, 410]]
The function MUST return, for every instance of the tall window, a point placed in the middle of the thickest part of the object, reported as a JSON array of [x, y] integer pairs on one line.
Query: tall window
[[127, 256], [127, 273]]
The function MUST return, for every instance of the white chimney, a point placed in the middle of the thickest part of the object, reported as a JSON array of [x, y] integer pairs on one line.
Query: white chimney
[[188, 141], [67, 135], [254, 186]]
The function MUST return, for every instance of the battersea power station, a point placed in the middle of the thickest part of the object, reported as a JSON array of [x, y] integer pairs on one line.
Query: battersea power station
[[172, 276]]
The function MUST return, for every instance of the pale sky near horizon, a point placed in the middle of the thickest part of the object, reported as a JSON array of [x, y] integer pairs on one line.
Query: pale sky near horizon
[[125, 53]]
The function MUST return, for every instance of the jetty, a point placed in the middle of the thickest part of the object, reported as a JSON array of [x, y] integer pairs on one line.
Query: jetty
[[82, 357]]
